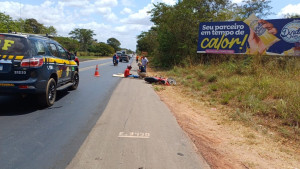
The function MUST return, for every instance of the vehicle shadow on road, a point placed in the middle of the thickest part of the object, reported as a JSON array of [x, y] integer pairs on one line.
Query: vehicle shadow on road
[[17, 105]]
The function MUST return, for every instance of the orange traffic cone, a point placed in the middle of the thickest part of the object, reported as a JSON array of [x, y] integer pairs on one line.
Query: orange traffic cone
[[96, 72]]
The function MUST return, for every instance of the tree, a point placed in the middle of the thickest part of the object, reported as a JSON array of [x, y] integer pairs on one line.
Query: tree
[[114, 43], [292, 16], [261, 8], [6, 23], [84, 36], [147, 41], [175, 33], [69, 43], [27, 25], [33, 26], [20, 23], [102, 48], [129, 51], [50, 30]]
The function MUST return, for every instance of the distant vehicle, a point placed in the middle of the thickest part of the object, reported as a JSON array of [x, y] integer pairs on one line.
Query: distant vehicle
[[31, 64], [119, 54], [124, 57], [123, 52]]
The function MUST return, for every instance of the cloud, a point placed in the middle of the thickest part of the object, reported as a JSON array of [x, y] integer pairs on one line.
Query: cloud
[[65, 15], [74, 3], [106, 3], [47, 13], [168, 2], [88, 10], [289, 9], [103, 10], [111, 17], [126, 11], [236, 1], [128, 3], [103, 7], [125, 29], [11, 8], [98, 28], [141, 17], [136, 23]]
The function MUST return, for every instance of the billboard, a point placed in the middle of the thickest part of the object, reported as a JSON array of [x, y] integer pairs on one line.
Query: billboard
[[251, 36]]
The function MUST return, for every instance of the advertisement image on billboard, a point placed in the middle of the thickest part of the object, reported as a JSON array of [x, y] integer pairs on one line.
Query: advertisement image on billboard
[[251, 36]]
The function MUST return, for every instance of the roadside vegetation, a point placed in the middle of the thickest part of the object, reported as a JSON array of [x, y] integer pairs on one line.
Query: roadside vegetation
[[88, 57], [259, 90]]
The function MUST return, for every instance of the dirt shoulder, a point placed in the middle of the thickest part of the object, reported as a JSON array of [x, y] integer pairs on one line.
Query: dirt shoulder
[[226, 143]]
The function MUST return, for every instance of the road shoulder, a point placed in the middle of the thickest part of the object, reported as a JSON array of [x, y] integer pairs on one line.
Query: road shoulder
[[137, 130]]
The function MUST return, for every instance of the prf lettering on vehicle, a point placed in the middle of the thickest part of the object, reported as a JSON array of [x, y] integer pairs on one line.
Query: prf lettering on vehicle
[[7, 44]]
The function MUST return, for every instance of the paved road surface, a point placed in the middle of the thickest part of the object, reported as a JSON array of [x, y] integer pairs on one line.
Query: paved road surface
[[137, 131], [34, 138]]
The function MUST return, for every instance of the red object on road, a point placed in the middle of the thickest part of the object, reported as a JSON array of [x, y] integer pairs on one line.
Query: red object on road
[[96, 72]]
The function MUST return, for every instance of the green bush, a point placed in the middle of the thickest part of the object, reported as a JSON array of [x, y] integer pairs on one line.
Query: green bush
[[82, 54]]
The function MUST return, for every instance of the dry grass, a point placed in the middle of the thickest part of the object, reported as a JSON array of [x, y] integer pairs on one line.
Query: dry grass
[[262, 92], [231, 112]]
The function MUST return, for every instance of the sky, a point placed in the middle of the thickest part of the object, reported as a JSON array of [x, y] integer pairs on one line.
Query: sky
[[120, 19]]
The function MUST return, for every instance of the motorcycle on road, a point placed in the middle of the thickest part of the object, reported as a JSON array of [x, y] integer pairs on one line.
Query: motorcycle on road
[[115, 61]]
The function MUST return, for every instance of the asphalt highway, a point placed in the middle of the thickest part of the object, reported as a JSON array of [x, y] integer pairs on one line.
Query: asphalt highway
[[32, 138]]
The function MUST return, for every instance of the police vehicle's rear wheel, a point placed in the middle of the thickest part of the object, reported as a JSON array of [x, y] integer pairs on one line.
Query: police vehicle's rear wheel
[[75, 81], [48, 98]]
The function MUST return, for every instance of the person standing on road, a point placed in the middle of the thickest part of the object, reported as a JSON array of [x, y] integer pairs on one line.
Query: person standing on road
[[144, 62], [137, 58]]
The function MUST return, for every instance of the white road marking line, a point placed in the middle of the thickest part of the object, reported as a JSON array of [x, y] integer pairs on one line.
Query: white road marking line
[[92, 60], [91, 67], [134, 135]]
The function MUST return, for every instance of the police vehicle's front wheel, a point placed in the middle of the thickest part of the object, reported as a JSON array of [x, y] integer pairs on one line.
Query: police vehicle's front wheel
[[47, 99]]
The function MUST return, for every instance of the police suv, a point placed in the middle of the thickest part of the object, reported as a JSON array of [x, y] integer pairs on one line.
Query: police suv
[[32, 64]]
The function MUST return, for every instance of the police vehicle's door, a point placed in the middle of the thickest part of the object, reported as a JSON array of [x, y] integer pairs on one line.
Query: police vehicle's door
[[58, 63], [66, 63]]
